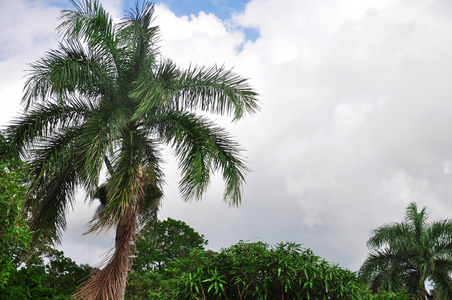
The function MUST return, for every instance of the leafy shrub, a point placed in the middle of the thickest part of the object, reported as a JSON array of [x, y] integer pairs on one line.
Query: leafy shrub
[[150, 285], [258, 271]]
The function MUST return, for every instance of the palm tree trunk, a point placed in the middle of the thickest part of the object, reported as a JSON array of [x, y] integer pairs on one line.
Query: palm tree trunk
[[110, 282], [122, 240]]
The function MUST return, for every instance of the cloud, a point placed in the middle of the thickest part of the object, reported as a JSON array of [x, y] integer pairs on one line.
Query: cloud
[[354, 122], [28, 29]]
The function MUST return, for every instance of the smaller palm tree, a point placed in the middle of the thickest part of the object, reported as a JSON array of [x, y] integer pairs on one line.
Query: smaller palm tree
[[407, 255]]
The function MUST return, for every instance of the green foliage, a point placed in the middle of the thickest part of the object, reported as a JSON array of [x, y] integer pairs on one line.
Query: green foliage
[[163, 241], [257, 271], [150, 285], [14, 232], [45, 276], [29, 282], [160, 242], [63, 274], [253, 271], [408, 254]]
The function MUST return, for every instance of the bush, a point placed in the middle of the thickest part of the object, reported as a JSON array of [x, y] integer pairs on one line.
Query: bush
[[150, 285], [258, 271]]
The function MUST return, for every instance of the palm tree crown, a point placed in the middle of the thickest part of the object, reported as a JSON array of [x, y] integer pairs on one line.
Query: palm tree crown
[[106, 101], [406, 255]]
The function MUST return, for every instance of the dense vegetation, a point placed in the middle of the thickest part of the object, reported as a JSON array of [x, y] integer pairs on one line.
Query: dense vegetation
[[170, 261], [241, 271], [252, 271], [15, 235], [45, 275]]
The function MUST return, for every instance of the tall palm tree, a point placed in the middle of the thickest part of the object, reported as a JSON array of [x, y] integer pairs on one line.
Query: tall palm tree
[[407, 255], [106, 102]]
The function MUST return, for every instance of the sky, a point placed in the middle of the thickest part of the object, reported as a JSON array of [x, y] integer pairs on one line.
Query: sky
[[355, 120]]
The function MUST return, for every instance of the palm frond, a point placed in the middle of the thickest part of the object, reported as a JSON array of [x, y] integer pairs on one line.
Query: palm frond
[[4, 154], [155, 89], [137, 33], [393, 234], [384, 269], [152, 157], [54, 183], [415, 218], [91, 24], [49, 204], [41, 120], [66, 70], [216, 90], [441, 231], [202, 148], [101, 135], [125, 185], [441, 277]]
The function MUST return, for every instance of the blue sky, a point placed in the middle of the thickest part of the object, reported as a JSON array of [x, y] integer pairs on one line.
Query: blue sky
[[355, 121], [220, 8]]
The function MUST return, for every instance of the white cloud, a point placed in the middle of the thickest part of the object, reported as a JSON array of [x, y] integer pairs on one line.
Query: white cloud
[[28, 28], [354, 122], [203, 39]]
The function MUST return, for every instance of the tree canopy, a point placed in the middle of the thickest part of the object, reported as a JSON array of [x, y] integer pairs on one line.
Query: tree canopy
[[164, 241], [45, 275]]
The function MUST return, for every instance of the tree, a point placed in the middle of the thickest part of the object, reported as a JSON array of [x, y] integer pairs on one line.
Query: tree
[[45, 275], [164, 241], [15, 235], [63, 274], [160, 243], [408, 254], [106, 100]]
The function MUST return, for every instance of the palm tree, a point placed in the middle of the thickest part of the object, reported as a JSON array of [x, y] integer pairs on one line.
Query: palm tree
[[105, 102], [407, 255]]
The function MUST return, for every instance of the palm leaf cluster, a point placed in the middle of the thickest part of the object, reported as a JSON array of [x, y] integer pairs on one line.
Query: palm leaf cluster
[[410, 254], [103, 105]]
